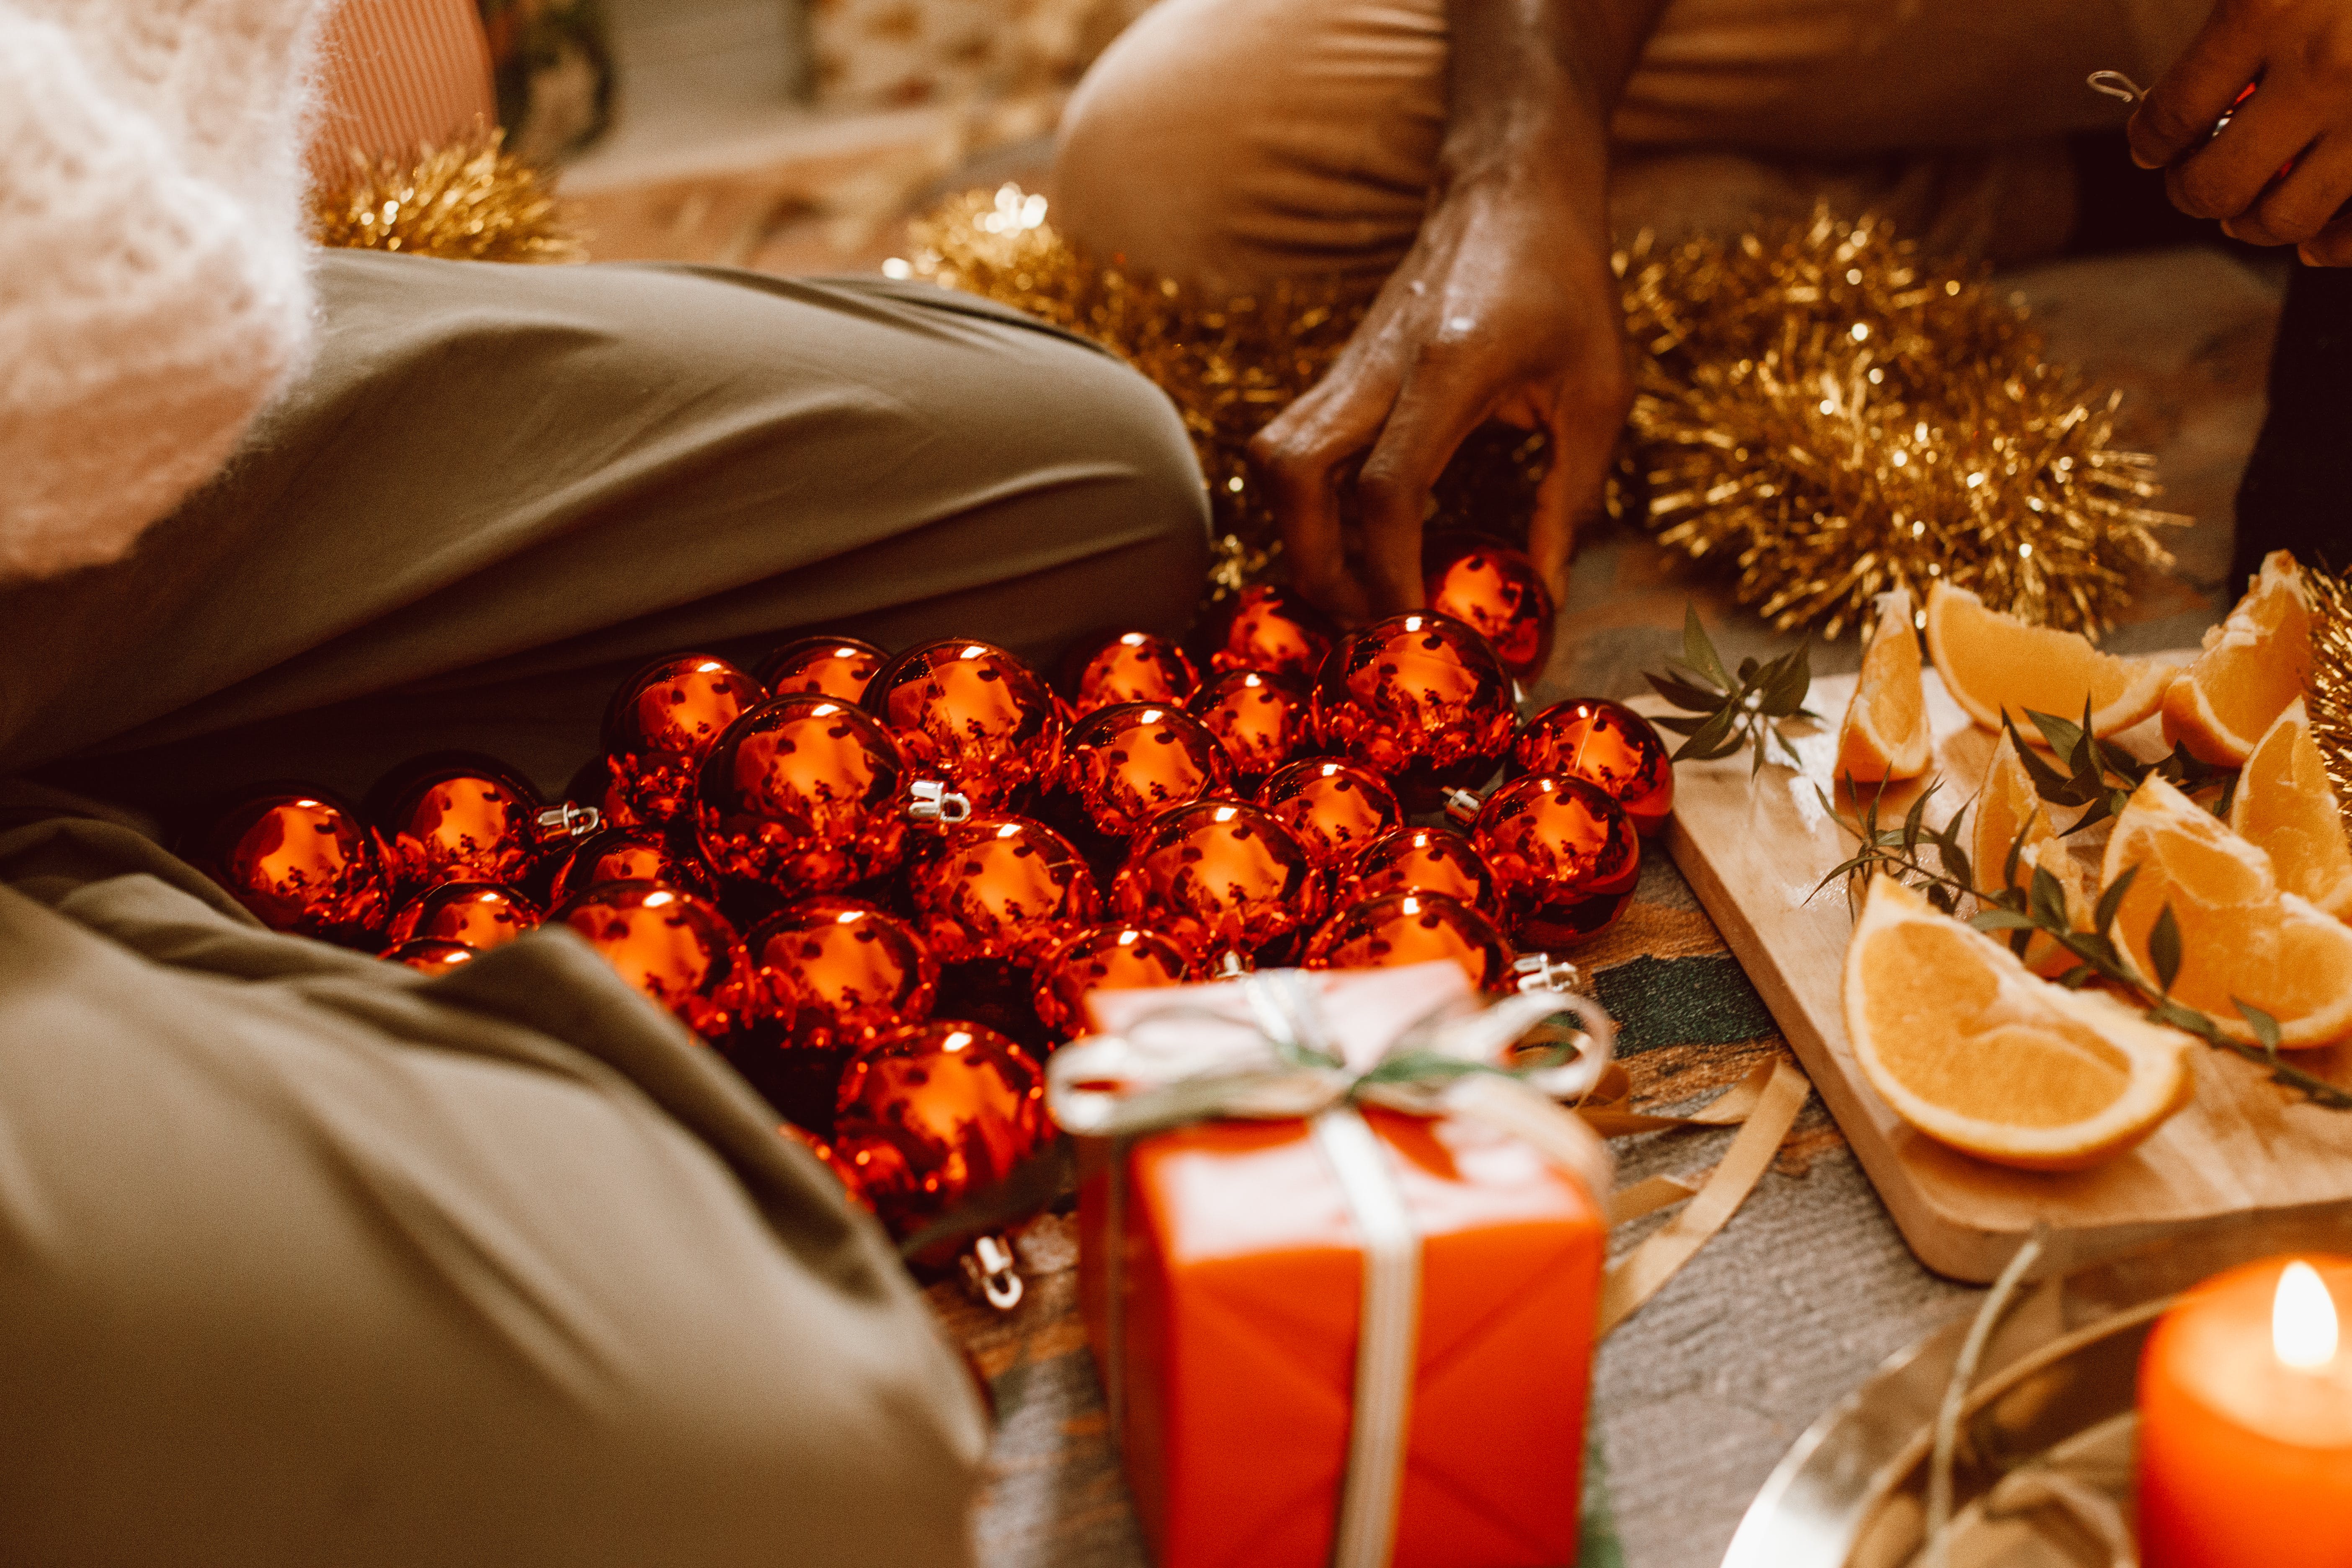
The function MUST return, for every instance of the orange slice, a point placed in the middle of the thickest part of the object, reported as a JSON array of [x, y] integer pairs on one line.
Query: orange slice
[[2005, 805], [2286, 808], [2241, 936], [1993, 663], [1976, 1053], [2253, 667], [1884, 735]]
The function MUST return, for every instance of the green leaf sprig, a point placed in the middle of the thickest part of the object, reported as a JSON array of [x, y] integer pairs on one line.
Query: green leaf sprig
[[2101, 776], [1727, 712]]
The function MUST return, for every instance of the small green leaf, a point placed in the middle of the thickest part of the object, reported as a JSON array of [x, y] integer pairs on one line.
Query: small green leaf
[[1943, 898], [2048, 781], [1698, 649], [1680, 724], [1790, 678], [1706, 744], [2265, 1027], [2064, 735], [2075, 979], [1691, 698], [2047, 901], [2017, 848], [1795, 761], [2000, 920], [1912, 822], [2164, 949], [2112, 900], [1758, 766], [1748, 668]]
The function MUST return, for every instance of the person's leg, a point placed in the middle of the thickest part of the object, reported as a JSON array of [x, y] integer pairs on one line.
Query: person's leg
[[1226, 142], [499, 487], [2293, 495]]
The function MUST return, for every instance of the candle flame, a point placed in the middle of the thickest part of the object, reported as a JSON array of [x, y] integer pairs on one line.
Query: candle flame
[[2303, 1318]]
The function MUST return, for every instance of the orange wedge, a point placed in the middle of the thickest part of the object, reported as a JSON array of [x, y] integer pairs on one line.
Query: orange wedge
[[2241, 938], [2005, 804], [1884, 735], [1976, 1053], [1993, 663], [2286, 808], [2253, 667]]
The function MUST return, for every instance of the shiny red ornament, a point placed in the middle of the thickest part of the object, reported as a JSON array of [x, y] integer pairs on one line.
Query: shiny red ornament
[[1126, 764], [1220, 876], [638, 854], [664, 720], [999, 888], [845, 972], [1103, 958], [1333, 809], [974, 715], [936, 1113], [1419, 701], [1397, 928], [1128, 666], [803, 795], [432, 956], [1263, 721], [1497, 589], [302, 861], [839, 667], [593, 786], [676, 949], [458, 816], [1421, 860], [1564, 855], [852, 1185], [482, 915], [1604, 743], [1269, 628]]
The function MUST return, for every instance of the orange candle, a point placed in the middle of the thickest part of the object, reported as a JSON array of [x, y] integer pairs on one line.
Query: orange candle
[[2245, 1421]]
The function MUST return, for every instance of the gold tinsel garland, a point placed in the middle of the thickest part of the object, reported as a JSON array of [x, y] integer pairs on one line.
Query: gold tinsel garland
[[2328, 691], [470, 201], [1819, 411]]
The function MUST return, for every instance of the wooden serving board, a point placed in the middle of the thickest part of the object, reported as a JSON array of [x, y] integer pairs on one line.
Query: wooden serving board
[[1754, 848]]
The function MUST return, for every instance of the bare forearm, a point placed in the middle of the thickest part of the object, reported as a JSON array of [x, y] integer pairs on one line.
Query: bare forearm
[[1533, 84]]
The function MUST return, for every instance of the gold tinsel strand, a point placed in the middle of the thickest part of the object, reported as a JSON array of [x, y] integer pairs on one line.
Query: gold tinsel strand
[[1819, 411], [470, 201], [2328, 691]]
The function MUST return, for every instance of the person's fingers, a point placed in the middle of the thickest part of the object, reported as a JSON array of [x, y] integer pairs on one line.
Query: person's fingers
[[2298, 207], [1298, 456], [2230, 173], [1586, 419], [2178, 112], [1442, 401], [2331, 247]]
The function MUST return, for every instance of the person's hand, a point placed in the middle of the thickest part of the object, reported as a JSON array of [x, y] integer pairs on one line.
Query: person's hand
[[2301, 50], [1506, 308]]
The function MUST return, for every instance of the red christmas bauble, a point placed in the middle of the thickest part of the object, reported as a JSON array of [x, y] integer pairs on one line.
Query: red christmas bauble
[[1128, 666], [999, 888], [846, 973], [664, 720], [1333, 809], [1604, 743], [458, 816], [302, 861], [932, 1114], [1269, 628], [431, 956], [1495, 590], [801, 794], [1263, 719], [676, 949], [1421, 860], [1126, 764], [1397, 928], [593, 786], [1419, 700], [839, 667], [1220, 876], [628, 855], [971, 714], [482, 915], [1564, 855], [1103, 958], [852, 1185]]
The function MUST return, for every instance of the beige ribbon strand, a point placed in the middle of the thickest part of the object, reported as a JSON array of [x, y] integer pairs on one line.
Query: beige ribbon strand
[[1639, 1274]]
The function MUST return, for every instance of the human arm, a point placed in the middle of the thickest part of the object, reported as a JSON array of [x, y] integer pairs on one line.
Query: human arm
[[1504, 307], [2301, 52]]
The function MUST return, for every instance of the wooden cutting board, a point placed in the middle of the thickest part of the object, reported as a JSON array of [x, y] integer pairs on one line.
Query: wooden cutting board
[[1754, 849]]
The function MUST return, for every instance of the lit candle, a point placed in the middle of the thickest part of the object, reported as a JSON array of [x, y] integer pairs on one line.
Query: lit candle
[[2245, 1421]]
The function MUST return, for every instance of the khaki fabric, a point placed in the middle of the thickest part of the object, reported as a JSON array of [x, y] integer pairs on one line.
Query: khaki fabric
[[499, 488], [1226, 142], [307, 1259]]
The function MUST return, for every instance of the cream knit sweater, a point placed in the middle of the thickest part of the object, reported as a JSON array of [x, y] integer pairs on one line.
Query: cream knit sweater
[[155, 289]]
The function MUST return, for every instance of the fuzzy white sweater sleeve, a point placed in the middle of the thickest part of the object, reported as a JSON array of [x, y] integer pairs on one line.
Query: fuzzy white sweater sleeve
[[155, 289]]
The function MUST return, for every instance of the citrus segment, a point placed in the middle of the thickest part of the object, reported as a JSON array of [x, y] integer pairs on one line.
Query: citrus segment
[[1993, 663], [2241, 937], [2253, 665], [1976, 1053], [2006, 805], [2286, 808], [1884, 735]]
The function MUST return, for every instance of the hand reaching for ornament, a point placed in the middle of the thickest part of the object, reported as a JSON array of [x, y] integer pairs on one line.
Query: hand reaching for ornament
[[2282, 167]]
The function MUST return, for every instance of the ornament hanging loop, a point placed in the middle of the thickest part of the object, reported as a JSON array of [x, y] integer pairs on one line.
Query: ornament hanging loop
[[989, 1269], [2118, 85], [568, 820], [930, 800], [1542, 971], [1462, 808]]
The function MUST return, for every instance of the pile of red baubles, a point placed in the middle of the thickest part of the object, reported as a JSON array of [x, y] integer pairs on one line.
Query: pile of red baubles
[[882, 886]]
